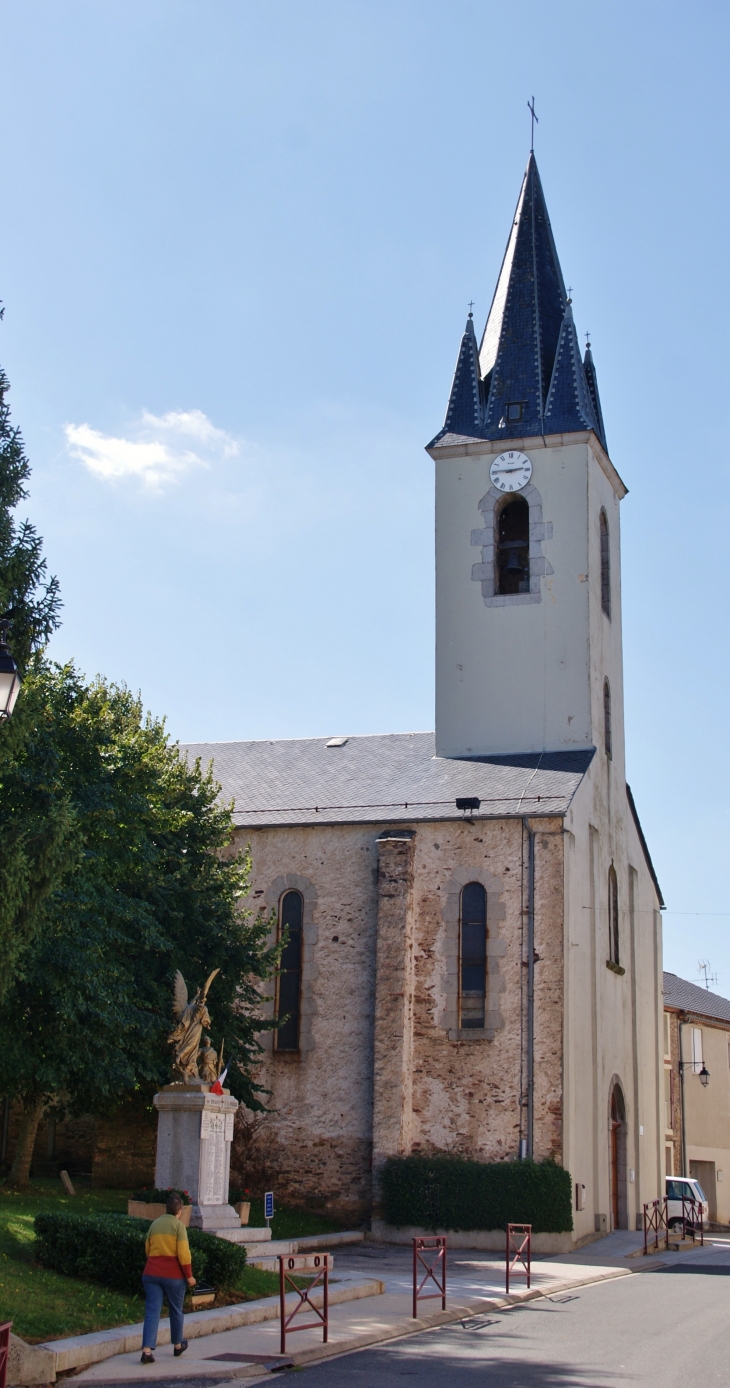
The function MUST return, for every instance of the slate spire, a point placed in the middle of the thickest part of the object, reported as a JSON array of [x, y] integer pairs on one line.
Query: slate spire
[[592, 379], [464, 415], [527, 377], [518, 348], [569, 404]]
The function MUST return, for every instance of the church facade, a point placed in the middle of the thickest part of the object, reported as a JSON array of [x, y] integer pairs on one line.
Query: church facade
[[474, 961]]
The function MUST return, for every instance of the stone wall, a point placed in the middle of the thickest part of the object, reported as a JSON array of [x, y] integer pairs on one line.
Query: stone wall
[[124, 1155], [61, 1143], [317, 1142], [385, 1070], [469, 1093]]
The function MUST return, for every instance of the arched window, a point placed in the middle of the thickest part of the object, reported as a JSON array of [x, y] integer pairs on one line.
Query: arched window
[[513, 547], [473, 954], [290, 978], [607, 734], [605, 565], [613, 940]]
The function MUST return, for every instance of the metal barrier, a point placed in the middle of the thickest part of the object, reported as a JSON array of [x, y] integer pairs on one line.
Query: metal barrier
[[429, 1244], [519, 1244], [303, 1263], [655, 1222], [5, 1329], [693, 1218]]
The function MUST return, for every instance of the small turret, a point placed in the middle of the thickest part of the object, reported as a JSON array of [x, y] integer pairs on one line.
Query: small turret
[[570, 403], [464, 415], [591, 378]]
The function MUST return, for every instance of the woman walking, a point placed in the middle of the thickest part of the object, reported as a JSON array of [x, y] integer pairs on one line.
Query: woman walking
[[167, 1272]]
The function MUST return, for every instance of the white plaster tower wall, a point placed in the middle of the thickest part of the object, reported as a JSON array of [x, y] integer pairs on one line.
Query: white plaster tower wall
[[525, 673]]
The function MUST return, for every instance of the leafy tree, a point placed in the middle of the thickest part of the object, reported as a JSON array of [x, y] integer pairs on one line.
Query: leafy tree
[[27, 596], [153, 887], [34, 815]]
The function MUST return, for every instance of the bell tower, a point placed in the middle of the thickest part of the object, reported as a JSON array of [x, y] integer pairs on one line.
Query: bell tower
[[528, 592]]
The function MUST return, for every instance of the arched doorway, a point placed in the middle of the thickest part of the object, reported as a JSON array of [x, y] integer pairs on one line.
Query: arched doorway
[[617, 1153]]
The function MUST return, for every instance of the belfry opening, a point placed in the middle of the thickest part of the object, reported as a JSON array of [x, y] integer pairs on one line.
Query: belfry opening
[[513, 547]]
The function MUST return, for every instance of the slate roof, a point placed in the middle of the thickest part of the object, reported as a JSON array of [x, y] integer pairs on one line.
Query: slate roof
[[529, 354], [389, 779], [688, 997]]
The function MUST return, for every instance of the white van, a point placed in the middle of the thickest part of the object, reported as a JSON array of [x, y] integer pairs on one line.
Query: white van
[[690, 1188]]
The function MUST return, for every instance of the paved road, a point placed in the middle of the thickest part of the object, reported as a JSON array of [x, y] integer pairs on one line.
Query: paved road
[[669, 1329]]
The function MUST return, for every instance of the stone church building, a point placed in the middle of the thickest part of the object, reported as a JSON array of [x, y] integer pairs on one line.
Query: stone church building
[[475, 952]]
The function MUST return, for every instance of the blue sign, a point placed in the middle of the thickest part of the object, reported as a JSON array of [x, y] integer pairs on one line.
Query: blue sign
[[269, 1205]]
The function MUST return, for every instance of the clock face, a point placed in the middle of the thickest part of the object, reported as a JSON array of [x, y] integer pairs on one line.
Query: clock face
[[511, 471]]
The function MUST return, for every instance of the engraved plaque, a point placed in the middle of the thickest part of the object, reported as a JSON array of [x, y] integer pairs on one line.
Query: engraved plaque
[[214, 1166], [212, 1123], [229, 1127]]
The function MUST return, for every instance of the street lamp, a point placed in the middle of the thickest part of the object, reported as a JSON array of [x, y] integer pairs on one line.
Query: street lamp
[[10, 680], [704, 1073]]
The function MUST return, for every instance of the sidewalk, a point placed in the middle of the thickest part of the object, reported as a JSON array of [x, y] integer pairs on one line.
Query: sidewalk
[[475, 1285]]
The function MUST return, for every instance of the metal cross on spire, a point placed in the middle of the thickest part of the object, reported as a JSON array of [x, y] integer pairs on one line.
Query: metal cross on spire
[[531, 109], [471, 306]]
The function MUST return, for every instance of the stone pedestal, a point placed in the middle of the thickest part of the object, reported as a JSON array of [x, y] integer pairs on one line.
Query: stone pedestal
[[194, 1136]]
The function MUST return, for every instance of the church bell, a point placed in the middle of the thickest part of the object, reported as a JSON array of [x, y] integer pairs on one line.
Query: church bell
[[513, 565]]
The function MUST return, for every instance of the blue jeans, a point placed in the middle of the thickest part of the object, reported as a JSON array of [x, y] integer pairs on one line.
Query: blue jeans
[[156, 1289]]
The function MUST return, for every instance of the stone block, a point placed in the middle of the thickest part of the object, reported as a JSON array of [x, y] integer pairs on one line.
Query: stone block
[[29, 1364]]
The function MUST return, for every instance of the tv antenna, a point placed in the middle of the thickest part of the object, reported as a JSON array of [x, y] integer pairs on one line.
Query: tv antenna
[[707, 975]]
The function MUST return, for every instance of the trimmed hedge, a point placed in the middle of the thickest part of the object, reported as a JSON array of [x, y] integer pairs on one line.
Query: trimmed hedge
[[452, 1193], [109, 1249]]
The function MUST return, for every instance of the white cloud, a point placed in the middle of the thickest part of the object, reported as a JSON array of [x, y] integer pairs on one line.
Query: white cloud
[[158, 449]]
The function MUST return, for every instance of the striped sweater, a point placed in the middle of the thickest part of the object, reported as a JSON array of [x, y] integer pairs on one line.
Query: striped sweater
[[167, 1249]]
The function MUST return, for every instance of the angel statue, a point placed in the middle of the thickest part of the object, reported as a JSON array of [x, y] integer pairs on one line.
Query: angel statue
[[191, 1018]]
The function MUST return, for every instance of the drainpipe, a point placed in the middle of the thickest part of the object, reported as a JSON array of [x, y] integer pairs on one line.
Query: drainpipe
[[683, 1144], [530, 986]]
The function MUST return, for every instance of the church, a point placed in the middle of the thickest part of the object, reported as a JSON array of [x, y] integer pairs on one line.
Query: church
[[474, 956]]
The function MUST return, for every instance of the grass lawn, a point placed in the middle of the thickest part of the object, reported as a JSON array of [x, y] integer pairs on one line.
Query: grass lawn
[[42, 1304], [45, 1305]]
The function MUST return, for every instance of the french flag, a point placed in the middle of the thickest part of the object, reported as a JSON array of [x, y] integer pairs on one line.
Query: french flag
[[217, 1088]]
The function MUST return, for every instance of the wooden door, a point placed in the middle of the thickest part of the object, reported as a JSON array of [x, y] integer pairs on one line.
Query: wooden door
[[615, 1126]]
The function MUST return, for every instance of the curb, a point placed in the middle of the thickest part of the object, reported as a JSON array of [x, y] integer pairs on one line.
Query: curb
[[82, 1351]]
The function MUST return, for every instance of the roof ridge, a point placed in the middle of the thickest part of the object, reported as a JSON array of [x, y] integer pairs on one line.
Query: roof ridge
[[267, 741]]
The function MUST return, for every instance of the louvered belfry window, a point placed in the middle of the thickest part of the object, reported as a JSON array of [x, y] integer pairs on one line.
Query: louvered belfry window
[[605, 566], [473, 963], [288, 993], [607, 729], [613, 926]]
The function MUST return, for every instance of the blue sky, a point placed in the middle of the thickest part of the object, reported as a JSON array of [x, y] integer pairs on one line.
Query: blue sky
[[236, 252]]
